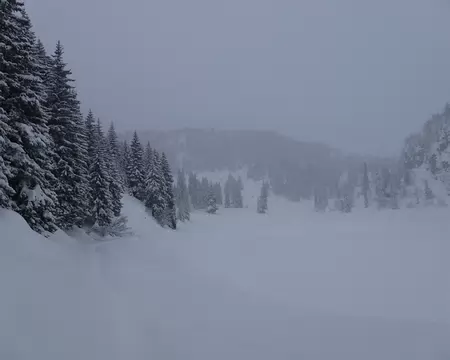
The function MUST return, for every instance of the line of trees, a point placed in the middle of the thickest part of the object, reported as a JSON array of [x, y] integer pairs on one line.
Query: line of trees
[[56, 170], [147, 176]]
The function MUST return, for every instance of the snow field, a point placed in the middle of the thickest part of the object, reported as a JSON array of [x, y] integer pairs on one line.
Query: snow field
[[236, 285]]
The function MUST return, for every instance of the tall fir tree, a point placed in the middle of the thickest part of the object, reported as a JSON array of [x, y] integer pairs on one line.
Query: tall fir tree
[[170, 216], [68, 132], [26, 144], [91, 136], [124, 160], [112, 163], [44, 68], [113, 144], [154, 200], [135, 169], [99, 181]]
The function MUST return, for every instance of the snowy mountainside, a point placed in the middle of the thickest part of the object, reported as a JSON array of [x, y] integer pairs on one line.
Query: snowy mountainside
[[293, 167]]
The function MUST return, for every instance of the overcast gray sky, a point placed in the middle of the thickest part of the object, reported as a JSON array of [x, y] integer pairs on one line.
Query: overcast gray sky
[[356, 74]]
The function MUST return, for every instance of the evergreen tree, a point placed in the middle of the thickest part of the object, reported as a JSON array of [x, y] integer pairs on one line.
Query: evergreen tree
[[91, 136], [366, 186], [148, 158], [111, 158], [182, 197], [211, 204], [135, 169], [170, 216], [124, 161], [155, 201], [68, 133], [26, 165], [99, 181], [43, 70], [262, 205], [113, 144]]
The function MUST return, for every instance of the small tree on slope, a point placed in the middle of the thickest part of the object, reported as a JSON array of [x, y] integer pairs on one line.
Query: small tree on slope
[[263, 199], [211, 202]]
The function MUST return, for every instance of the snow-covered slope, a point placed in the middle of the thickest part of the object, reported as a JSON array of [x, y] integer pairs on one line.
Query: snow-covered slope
[[236, 285]]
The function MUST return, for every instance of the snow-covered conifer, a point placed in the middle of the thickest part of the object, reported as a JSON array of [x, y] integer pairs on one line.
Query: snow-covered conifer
[[211, 203], [170, 216], [27, 159], [135, 169], [262, 205], [99, 185], [68, 133], [154, 200]]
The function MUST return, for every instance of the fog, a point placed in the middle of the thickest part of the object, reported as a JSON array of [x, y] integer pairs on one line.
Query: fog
[[356, 74]]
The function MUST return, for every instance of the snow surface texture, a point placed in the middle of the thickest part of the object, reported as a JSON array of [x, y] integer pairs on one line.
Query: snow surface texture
[[292, 284]]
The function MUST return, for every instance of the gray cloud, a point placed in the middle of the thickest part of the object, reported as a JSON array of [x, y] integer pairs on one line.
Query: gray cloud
[[356, 74]]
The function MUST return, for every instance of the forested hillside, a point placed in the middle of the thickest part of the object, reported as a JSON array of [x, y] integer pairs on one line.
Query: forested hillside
[[57, 169]]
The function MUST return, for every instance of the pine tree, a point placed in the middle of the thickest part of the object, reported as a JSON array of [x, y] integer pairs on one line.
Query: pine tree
[[91, 136], [113, 144], [43, 70], [135, 169], [155, 201], [115, 184], [262, 205], [366, 186], [25, 168], [99, 181], [124, 160], [148, 158], [68, 133], [170, 216], [182, 197], [211, 204]]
